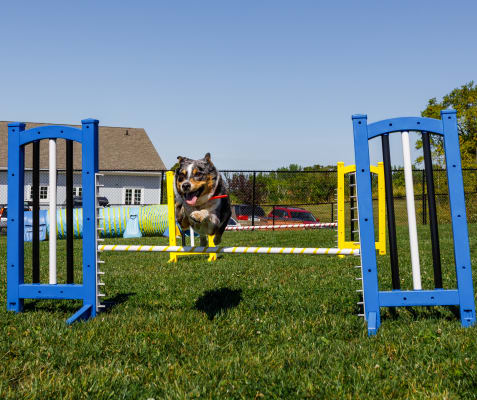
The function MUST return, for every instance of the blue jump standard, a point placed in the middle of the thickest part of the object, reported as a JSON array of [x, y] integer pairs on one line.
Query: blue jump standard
[[17, 290], [374, 299]]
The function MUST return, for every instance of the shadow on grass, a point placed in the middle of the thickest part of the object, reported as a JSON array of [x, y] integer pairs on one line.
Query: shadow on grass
[[448, 313], [51, 305], [71, 306], [217, 301], [116, 300]]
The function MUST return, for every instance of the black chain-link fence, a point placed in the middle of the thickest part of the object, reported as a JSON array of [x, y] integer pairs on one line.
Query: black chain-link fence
[[265, 197]]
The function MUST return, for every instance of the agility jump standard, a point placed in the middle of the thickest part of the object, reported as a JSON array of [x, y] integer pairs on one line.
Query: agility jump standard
[[342, 170], [373, 297], [17, 290]]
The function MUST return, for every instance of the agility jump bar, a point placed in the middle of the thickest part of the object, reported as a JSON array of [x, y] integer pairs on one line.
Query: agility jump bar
[[284, 226], [234, 250]]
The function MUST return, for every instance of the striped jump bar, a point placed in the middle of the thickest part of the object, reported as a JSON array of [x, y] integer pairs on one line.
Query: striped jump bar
[[235, 250], [284, 226]]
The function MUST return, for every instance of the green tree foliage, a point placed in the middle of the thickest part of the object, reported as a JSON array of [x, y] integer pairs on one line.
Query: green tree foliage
[[464, 101]]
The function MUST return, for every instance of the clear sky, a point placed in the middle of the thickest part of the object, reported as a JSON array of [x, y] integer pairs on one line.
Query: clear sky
[[258, 83]]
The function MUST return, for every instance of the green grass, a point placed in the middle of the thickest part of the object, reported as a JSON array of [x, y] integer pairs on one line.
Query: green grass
[[246, 326]]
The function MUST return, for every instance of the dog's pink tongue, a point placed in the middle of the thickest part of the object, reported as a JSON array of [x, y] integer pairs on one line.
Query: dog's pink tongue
[[192, 201]]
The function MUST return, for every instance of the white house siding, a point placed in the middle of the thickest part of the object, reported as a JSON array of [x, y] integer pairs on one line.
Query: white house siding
[[113, 189], [3, 187], [115, 185]]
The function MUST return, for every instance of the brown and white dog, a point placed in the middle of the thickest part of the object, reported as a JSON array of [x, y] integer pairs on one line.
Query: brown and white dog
[[201, 198]]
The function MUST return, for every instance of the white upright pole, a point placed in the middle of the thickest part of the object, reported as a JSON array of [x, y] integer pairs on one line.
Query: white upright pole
[[411, 212], [192, 236], [52, 208]]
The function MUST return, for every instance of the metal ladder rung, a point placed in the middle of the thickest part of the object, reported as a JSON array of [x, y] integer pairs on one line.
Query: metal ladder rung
[[101, 295], [100, 272], [100, 283], [101, 306], [360, 315], [358, 266], [100, 262], [359, 290], [359, 278], [360, 303], [100, 240]]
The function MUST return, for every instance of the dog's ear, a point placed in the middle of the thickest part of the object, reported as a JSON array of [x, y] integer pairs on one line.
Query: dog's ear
[[181, 159], [207, 157]]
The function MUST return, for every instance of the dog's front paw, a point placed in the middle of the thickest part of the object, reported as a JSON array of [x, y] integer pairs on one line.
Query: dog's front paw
[[199, 216]]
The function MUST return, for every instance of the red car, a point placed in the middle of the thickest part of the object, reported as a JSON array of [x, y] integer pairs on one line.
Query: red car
[[292, 215]]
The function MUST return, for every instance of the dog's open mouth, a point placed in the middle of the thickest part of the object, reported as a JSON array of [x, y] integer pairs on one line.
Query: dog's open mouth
[[191, 197]]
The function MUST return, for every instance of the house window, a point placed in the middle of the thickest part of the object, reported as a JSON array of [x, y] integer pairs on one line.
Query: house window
[[132, 196], [78, 191], [43, 193]]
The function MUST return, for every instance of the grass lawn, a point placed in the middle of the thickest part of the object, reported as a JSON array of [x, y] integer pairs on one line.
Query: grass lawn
[[246, 326]]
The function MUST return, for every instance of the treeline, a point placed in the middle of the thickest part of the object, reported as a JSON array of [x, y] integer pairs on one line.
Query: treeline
[[317, 184]]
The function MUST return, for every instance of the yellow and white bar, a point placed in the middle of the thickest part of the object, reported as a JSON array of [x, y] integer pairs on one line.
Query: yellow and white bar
[[233, 250], [284, 226]]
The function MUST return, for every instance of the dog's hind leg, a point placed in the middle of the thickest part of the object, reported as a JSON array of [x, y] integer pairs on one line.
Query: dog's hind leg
[[219, 232], [181, 217], [203, 241]]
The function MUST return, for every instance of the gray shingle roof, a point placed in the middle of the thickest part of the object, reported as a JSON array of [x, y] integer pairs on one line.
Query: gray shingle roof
[[120, 149]]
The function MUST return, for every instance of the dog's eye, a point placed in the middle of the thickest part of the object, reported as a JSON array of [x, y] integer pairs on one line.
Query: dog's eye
[[180, 178]]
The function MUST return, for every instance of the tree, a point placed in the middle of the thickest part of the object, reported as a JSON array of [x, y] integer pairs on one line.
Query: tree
[[464, 101]]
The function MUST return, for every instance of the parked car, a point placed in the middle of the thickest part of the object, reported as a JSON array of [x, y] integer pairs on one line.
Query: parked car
[[243, 212], [3, 218], [3, 215], [292, 215], [232, 222], [78, 202]]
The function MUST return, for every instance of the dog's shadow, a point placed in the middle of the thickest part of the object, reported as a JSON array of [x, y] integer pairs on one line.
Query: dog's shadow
[[217, 301], [115, 301]]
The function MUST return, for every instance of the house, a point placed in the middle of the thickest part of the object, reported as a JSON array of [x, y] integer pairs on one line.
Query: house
[[133, 171]]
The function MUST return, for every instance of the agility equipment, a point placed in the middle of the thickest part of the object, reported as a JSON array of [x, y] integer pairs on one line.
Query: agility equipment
[[89, 291], [174, 231], [350, 170], [231, 250], [151, 220], [17, 289], [373, 297]]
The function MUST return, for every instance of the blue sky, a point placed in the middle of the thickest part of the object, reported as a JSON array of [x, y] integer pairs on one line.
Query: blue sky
[[259, 84]]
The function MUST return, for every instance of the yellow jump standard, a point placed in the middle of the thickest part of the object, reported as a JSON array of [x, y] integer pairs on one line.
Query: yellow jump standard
[[173, 231], [379, 171]]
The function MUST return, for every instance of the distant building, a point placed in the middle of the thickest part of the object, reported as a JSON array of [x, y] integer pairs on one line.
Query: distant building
[[131, 166]]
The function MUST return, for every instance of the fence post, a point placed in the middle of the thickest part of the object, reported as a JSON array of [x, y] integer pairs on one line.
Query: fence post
[[253, 199], [424, 206], [161, 200], [273, 217]]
